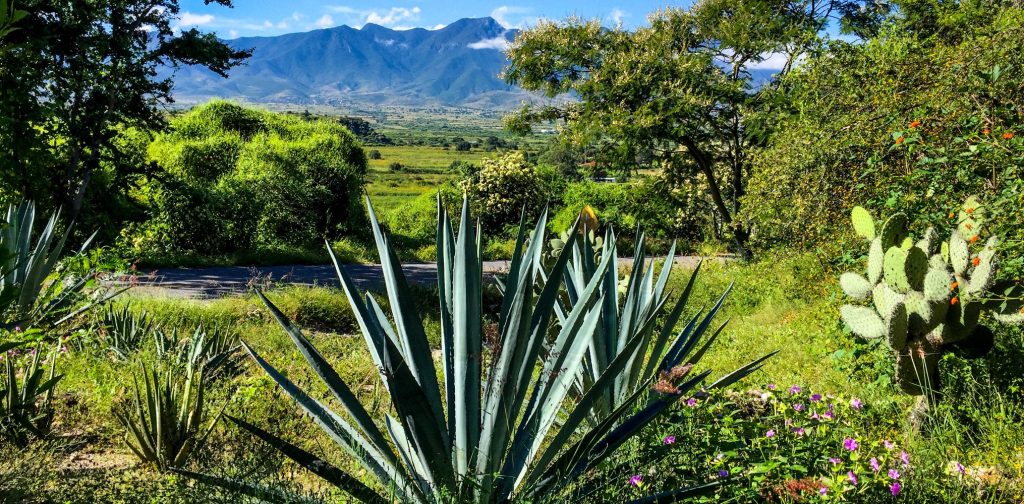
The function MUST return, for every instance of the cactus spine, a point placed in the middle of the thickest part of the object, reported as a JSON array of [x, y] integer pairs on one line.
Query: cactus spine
[[926, 297]]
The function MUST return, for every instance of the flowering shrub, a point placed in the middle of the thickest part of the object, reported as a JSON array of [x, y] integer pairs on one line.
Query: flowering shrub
[[783, 444]]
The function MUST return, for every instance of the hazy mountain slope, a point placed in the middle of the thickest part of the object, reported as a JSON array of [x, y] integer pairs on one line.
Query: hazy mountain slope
[[372, 65]]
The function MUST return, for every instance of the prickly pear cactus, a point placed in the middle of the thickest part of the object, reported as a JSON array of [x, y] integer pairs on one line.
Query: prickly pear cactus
[[927, 297]]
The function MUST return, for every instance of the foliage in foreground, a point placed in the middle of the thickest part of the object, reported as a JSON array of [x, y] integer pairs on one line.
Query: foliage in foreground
[[504, 437], [928, 297], [26, 392]]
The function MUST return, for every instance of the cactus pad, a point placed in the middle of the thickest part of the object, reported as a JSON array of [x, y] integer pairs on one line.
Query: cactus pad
[[984, 274], [937, 285], [895, 269], [855, 286], [929, 243], [893, 231], [959, 254], [896, 328], [863, 321], [885, 299], [863, 223], [876, 260], [916, 267]]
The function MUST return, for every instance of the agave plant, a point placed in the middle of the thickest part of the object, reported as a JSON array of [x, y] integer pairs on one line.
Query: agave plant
[[494, 432], [25, 403], [36, 290], [638, 313], [124, 331], [165, 427], [215, 351]]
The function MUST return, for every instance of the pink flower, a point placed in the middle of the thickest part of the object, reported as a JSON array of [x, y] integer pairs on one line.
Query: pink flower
[[887, 444], [895, 488], [874, 464], [856, 403], [959, 467], [636, 480], [850, 444], [798, 406], [691, 402], [799, 431], [894, 474], [769, 434], [669, 440], [771, 386], [823, 491], [795, 389], [905, 457], [815, 397], [852, 477], [835, 461]]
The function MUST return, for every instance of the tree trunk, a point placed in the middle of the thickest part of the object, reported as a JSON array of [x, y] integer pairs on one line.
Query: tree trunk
[[740, 235]]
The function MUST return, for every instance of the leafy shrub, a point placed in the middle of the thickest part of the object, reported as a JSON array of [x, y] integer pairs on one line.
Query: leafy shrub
[[374, 154], [503, 188], [237, 178], [26, 392], [395, 166]]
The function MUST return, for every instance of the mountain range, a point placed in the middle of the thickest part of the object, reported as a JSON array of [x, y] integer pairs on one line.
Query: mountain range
[[458, 65]]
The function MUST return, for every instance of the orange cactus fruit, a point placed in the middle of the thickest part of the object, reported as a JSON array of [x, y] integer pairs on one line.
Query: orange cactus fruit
[[915, 124], [1007, 135], [969, 211], [951, 215], [899, 140], [976, 261], [954, 286], [954, 301], [985, 131], [974, 239]]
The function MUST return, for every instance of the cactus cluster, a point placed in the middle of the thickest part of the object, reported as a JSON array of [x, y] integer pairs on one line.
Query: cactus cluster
[[928, 296]]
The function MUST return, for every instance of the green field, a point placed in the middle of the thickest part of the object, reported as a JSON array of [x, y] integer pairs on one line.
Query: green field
[[425, 168]]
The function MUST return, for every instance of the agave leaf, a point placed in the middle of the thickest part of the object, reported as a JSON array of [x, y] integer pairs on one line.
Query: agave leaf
[[314, 464], [466, 343]]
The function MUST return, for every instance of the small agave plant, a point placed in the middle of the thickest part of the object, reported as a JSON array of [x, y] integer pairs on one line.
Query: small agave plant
[[499, 427], [928, 297]]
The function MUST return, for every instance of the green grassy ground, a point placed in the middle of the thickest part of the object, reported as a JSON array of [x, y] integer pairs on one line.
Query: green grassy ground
[[788, 304]]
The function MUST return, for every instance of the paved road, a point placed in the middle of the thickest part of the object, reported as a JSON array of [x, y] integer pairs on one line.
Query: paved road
[[221, 281]]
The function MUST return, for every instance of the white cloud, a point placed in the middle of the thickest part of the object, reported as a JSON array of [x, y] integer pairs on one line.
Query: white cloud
[[770, 61], [499, 43], [190, 19], [325, 21], [394, 16], [617, 15], [499, 14], [233, 33]]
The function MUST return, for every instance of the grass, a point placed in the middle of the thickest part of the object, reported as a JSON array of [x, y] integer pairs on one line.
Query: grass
[[780, 303]]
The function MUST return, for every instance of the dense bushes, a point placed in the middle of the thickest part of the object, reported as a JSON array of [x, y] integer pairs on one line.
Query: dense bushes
[[232, 178], [913, 120]]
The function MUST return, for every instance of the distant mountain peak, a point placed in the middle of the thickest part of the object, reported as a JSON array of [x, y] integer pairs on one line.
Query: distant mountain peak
[[455, 65]]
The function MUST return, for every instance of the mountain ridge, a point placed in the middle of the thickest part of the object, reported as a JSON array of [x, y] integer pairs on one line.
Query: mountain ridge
[[457, 65]]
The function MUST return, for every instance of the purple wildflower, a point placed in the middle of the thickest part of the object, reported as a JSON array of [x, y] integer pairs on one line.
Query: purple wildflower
[[799, 431], [895, 488], [874, 464], [723, 473], [887, 444], [815, 397], [771, 386], [823, 491], [850, 444], [636, 480], [894, 474], [691, 402], [795, 389], [798, 406], [669, 440], [905, 457], [835, 461], [852, 477], [769, 434], [856, 403], [959, 467]]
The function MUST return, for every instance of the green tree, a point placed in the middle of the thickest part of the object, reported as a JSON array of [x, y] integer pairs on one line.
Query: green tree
[[79, 71], [680, 91]]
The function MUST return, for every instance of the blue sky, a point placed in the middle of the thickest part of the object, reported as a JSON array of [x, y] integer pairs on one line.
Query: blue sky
[[261, 17]]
